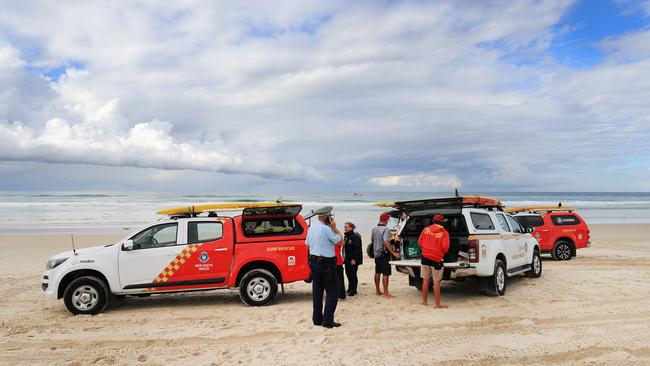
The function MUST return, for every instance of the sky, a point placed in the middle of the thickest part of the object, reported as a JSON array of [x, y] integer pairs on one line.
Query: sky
[[325, 96]]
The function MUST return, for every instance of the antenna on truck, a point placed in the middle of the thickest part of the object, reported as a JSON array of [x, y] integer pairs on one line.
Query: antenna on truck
[[74, 251]]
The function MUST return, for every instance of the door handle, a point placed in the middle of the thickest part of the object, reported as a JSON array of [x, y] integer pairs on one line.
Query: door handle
[[220, 249]]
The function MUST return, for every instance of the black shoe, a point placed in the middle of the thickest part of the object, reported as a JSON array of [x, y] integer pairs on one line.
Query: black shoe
[[341, 297], [352, 293], [318, 324], [331, 325]]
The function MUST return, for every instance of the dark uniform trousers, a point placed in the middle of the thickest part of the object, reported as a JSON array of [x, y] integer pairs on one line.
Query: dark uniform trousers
[[351, 273], [324, 278]]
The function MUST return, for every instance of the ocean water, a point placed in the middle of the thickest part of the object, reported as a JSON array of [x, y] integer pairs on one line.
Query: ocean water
[[116, 212]]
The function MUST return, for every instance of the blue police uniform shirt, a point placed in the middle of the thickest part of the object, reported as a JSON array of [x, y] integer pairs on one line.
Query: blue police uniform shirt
[[321, 240]]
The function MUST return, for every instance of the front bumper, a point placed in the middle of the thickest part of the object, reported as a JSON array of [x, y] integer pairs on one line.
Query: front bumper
[[49, 283]]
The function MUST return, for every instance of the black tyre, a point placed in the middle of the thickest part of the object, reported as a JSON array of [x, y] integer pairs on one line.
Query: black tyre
[[370, 250], [561, 251], [496, 284], [86, 295], [258, 287], [535, 266]]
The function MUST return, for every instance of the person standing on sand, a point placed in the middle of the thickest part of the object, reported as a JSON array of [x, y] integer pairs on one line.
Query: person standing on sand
[[434, 243], [353, 256], [381, 246], [321, 238], [339, 269]]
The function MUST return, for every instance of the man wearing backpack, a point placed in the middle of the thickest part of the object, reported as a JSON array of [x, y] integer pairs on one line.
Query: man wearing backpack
[[381, 246]]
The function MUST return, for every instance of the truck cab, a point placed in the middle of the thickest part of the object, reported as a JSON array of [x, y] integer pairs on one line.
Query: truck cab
[[559, 231], [485, 242], [254, 252]]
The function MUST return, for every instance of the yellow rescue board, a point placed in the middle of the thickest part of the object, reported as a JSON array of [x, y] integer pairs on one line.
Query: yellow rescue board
[[197, 209], [384, 204], [537, 208]]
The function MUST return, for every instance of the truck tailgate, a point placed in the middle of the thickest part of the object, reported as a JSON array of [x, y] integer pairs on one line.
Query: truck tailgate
[[417, 263]]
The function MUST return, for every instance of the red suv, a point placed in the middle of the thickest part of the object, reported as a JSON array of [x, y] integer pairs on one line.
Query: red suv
[[559, 231]]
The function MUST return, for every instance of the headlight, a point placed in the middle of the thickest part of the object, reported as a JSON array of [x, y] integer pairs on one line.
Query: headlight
[[55, 262]]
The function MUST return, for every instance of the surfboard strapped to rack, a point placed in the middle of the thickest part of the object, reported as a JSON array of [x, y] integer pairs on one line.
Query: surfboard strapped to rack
[[224, 206], [433, 203], [537, 209]]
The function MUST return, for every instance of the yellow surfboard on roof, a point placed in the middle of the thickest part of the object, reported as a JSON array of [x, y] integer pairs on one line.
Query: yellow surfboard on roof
[[384, 204], [537, 209], [224, 206]]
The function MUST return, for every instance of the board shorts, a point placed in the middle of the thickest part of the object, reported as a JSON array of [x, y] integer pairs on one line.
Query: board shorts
[[431, 269], [382, 264]]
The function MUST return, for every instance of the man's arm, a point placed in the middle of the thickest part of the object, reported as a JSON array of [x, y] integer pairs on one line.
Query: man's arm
[[334, 235], [387, 243]]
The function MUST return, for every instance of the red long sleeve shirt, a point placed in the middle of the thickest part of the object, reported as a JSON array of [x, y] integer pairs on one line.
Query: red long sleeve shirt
[[434, 242]]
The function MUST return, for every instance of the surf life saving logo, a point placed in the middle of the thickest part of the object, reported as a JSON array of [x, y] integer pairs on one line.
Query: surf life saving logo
[[291, 260], [204, 257]]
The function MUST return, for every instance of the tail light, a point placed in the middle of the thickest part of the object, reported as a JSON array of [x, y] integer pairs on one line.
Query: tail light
[[473, 250]]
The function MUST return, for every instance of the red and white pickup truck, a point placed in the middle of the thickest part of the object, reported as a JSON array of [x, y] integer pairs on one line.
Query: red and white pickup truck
[[196, 250]]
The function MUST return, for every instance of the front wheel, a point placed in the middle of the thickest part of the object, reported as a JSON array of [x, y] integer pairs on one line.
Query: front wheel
[[496, 284], [535, 266], [86, 295], [258, 287], [561, 251]]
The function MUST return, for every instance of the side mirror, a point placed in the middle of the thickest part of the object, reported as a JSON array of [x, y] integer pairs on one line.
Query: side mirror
[[530, 229], [128, 245]]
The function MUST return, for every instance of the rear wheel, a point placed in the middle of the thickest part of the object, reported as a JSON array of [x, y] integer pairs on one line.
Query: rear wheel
[[535, 266], [561, 251], [86, 295], [258, 287], [496, 284]]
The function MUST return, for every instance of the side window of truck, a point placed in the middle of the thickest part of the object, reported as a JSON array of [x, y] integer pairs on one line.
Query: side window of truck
[[565, 220], [534, 221], [201, 232], [481, 221], [516, 228], [156, 236], [503, 223]]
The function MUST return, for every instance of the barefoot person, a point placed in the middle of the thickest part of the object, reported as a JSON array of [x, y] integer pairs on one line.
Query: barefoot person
[[434, 243], [321, 238], [382, 249]]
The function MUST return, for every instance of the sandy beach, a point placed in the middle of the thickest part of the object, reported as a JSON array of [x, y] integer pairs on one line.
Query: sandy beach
[[593, 309]]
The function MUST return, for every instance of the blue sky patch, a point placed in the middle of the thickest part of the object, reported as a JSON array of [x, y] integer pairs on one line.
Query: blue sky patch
[[588, 23]]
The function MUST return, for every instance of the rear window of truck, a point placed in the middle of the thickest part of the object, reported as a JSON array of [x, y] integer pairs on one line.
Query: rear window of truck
[[565, 220], [271, 227], [482, 221]]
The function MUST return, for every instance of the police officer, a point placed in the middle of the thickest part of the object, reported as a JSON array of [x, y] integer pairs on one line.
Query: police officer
[[321, 238]]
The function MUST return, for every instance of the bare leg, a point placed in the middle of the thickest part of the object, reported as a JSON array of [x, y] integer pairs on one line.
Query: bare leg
[[425, 291], [377, 278], [385, 282], [436, 294]]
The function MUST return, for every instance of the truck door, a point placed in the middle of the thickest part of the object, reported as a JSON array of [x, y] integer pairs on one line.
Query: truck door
[[153, 249], [510, 242], [520, 245], [211, 245]]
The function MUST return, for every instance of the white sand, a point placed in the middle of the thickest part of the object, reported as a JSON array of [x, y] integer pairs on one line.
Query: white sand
[[594, 309]]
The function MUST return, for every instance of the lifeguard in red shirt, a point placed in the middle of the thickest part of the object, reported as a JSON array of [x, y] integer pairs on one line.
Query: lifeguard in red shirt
[[434, 244]]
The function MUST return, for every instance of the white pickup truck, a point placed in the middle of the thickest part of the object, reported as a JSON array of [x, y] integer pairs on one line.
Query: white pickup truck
[[485, 242]]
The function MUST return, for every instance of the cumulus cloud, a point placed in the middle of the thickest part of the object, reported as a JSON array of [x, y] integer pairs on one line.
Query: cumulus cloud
[[433, 181], [362, 94]]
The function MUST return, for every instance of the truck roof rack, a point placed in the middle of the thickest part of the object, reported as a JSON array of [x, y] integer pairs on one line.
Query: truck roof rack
[[451, 202], [537, 209], [193, 211]]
